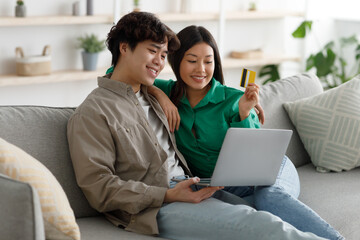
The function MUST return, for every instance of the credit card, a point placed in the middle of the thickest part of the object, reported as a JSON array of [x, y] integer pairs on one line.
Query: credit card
[[247, 76]]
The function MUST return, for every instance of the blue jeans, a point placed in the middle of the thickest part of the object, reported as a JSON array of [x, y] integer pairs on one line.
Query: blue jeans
[[281, 200], [223, 216]]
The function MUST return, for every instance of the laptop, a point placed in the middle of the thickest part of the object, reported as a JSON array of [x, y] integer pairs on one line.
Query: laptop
[[249, 157]]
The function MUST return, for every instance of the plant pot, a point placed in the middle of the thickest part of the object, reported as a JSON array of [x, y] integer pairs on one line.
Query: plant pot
[[20, 11], [89, 61]]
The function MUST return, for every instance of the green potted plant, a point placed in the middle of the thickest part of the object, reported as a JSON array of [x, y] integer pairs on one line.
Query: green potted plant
[[331, 66], [252, 5], [20, 9], [137, 5], [91, 46]]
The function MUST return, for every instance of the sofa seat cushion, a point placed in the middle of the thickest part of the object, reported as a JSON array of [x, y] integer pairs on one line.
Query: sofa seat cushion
[[95, 228], [334, 196]]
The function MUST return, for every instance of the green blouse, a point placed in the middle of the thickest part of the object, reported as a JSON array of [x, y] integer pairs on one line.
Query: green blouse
[[210, 118]]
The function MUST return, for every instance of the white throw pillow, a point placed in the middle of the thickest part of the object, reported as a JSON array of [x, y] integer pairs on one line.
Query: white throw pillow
[[59, 219], [329, 126]]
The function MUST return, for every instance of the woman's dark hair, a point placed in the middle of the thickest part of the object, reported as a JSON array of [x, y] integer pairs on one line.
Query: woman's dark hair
[[137, 27], [189, 37]]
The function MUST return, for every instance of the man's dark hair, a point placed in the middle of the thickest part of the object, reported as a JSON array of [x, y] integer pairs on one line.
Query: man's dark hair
[[137, 27]]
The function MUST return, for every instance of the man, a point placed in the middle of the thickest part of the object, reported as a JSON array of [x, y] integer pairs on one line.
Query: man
[[124, 155]]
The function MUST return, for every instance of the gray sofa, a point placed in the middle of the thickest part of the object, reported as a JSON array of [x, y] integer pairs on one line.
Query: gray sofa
[[41, 131]]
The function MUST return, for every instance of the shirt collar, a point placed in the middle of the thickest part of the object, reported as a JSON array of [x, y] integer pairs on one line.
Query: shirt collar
[[113, 85], [215, 95]]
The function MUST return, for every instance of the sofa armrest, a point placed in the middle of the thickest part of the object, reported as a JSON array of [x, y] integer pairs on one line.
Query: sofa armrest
[[20, 211]]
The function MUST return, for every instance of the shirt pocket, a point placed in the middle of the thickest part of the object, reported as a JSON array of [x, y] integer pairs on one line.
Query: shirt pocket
[[133, 147]]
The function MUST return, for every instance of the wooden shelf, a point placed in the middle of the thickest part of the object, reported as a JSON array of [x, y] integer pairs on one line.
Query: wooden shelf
[[253, 15], [55, 20], [166, 17], [231, 63], [58, 76], [187, 17], [79, 75], [348, 19], [234, 15]]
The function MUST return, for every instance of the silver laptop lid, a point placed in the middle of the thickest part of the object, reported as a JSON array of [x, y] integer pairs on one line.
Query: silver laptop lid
[[250, 157]]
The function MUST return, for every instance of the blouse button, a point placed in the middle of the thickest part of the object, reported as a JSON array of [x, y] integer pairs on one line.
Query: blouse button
[[127, 130]]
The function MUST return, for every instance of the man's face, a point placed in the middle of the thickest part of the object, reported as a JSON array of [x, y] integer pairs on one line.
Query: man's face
[[145, 62]]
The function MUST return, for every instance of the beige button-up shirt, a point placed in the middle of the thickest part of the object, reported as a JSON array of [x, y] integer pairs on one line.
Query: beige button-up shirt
[[118, 162]]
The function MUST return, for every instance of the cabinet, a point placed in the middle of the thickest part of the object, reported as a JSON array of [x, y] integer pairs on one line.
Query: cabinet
[[185, 19]]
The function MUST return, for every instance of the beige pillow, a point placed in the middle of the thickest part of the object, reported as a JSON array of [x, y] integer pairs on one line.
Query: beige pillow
[[59, 219], [329, 126]]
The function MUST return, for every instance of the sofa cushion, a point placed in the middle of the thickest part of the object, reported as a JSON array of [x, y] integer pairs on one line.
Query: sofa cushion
[[329, 126], [59, 219], [272, 97], [334, 196], [41, 132]]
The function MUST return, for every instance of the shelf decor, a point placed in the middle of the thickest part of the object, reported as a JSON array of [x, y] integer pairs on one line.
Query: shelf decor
[[91, 46], [33, 65], [89, 7], [20, 9], [136, 5], [76, 8], [253, 5], [250, 54]]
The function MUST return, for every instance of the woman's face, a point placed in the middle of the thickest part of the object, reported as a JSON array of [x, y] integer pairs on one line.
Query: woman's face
[[197, 66]]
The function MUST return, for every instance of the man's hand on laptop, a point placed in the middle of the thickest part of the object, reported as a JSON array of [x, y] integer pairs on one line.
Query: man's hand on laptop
[[182, 192]]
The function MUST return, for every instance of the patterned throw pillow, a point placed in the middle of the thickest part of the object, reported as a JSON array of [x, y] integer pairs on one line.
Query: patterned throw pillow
[[59, 219], [329, 126]]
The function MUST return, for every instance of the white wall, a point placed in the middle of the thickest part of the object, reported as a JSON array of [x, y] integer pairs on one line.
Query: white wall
[[271, 36]]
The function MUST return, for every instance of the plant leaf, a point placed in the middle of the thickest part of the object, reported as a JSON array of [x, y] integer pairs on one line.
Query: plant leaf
[[331, 57], [330, 45], [310, 62], [321, 65], [324, 63], [357, 52], [346, 41], [301, 30], [342, 62], [91, 44], [271, 73]]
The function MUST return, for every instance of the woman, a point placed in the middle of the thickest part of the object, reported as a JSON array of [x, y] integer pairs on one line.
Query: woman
[[207, 109]]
